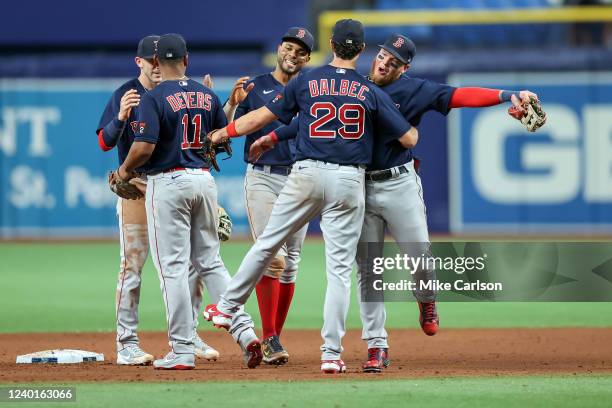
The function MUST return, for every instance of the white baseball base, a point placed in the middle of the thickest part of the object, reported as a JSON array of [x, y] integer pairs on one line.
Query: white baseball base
[[60, 356]]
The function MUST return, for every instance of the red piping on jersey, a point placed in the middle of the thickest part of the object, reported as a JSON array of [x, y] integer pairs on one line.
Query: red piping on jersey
[[103, 145], [474, 98]]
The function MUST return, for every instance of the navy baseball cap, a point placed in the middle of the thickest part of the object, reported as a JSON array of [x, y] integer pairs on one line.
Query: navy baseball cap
[[171, 46], [302, 36], [348, 31], [147, 46], [400, 47]]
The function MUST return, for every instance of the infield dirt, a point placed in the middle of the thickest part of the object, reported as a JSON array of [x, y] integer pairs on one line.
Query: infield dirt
[[451, 353]]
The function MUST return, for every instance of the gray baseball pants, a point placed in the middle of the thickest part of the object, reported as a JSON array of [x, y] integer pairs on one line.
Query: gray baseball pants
[[262, 189], [182, 224], [134, 249], [313, 188], [396, 204]]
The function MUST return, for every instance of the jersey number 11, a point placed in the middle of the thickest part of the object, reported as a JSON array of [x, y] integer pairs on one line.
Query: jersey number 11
[[196, 141]]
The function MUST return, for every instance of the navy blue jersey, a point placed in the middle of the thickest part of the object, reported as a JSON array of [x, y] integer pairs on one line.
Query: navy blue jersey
[[266, 88], [413, 97], [340, 114], [112, 110], [176, 116]]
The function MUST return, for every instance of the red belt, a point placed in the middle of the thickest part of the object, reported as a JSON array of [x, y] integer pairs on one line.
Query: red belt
[[183, 168]]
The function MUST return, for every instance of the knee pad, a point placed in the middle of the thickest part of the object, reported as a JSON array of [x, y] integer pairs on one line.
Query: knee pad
[[276, 267]]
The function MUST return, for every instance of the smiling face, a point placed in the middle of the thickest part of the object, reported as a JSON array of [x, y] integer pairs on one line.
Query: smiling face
[[386, 68], [291, 57]]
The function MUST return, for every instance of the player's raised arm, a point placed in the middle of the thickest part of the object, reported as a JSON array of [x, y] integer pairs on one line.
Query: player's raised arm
[[145, 140], [110, 131], [237, 96]]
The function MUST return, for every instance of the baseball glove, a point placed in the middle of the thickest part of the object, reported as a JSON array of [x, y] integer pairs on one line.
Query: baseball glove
[[209, 151], [123, 188], [530, 113], [224, 230]]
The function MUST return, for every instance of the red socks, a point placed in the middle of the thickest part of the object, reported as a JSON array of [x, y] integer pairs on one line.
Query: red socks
[[284, 302], [267, 297]]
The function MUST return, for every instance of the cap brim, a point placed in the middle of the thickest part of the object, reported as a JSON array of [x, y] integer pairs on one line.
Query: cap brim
[[394, 53], [297, 40]]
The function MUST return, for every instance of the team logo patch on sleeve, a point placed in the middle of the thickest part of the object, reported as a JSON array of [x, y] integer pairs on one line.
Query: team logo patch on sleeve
[[134, 126], [141, 127], [277, 98]]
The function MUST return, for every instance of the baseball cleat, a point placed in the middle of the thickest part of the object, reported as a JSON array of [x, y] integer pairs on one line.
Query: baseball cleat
[[252, 355], [333, 367], [133, 355], [273, 351], [429, 318], [378, 358], [174, 361], [219, 319], [203, 350]]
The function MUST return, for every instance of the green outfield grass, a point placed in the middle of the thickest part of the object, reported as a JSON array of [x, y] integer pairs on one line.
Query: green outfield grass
[[520, 392], [71, 287]]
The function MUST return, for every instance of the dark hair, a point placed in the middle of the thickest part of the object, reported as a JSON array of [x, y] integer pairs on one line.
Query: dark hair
[[346, 51], [169, 62]]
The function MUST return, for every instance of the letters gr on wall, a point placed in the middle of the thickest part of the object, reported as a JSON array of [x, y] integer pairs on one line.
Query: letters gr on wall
[[559, 179]]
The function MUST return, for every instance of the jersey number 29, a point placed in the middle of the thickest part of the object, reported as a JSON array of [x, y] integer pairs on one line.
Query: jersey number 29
[[351, 115], [196, 142]]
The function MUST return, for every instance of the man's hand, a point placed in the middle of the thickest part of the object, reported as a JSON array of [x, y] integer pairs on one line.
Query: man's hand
[[217, 136], [129, 100], [239, 93], [123, 186], [525, 96], [528, 110], [207, 81], [260, 146]]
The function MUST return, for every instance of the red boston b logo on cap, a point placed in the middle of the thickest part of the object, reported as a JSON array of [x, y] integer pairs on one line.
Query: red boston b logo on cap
[[399, 42], [301, 33]]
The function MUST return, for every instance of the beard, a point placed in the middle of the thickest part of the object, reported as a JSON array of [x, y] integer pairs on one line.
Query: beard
[[287, 69]]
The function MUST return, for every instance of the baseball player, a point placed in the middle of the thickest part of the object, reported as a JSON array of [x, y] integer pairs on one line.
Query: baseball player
[[181, 199], [338, 112], [116, 128], [265, 179], [394, 194]]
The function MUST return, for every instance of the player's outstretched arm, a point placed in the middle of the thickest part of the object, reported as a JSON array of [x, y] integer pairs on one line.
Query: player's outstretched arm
[[244, 125], [410, 138], [267, 142], [262, 145], [473, 97]]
